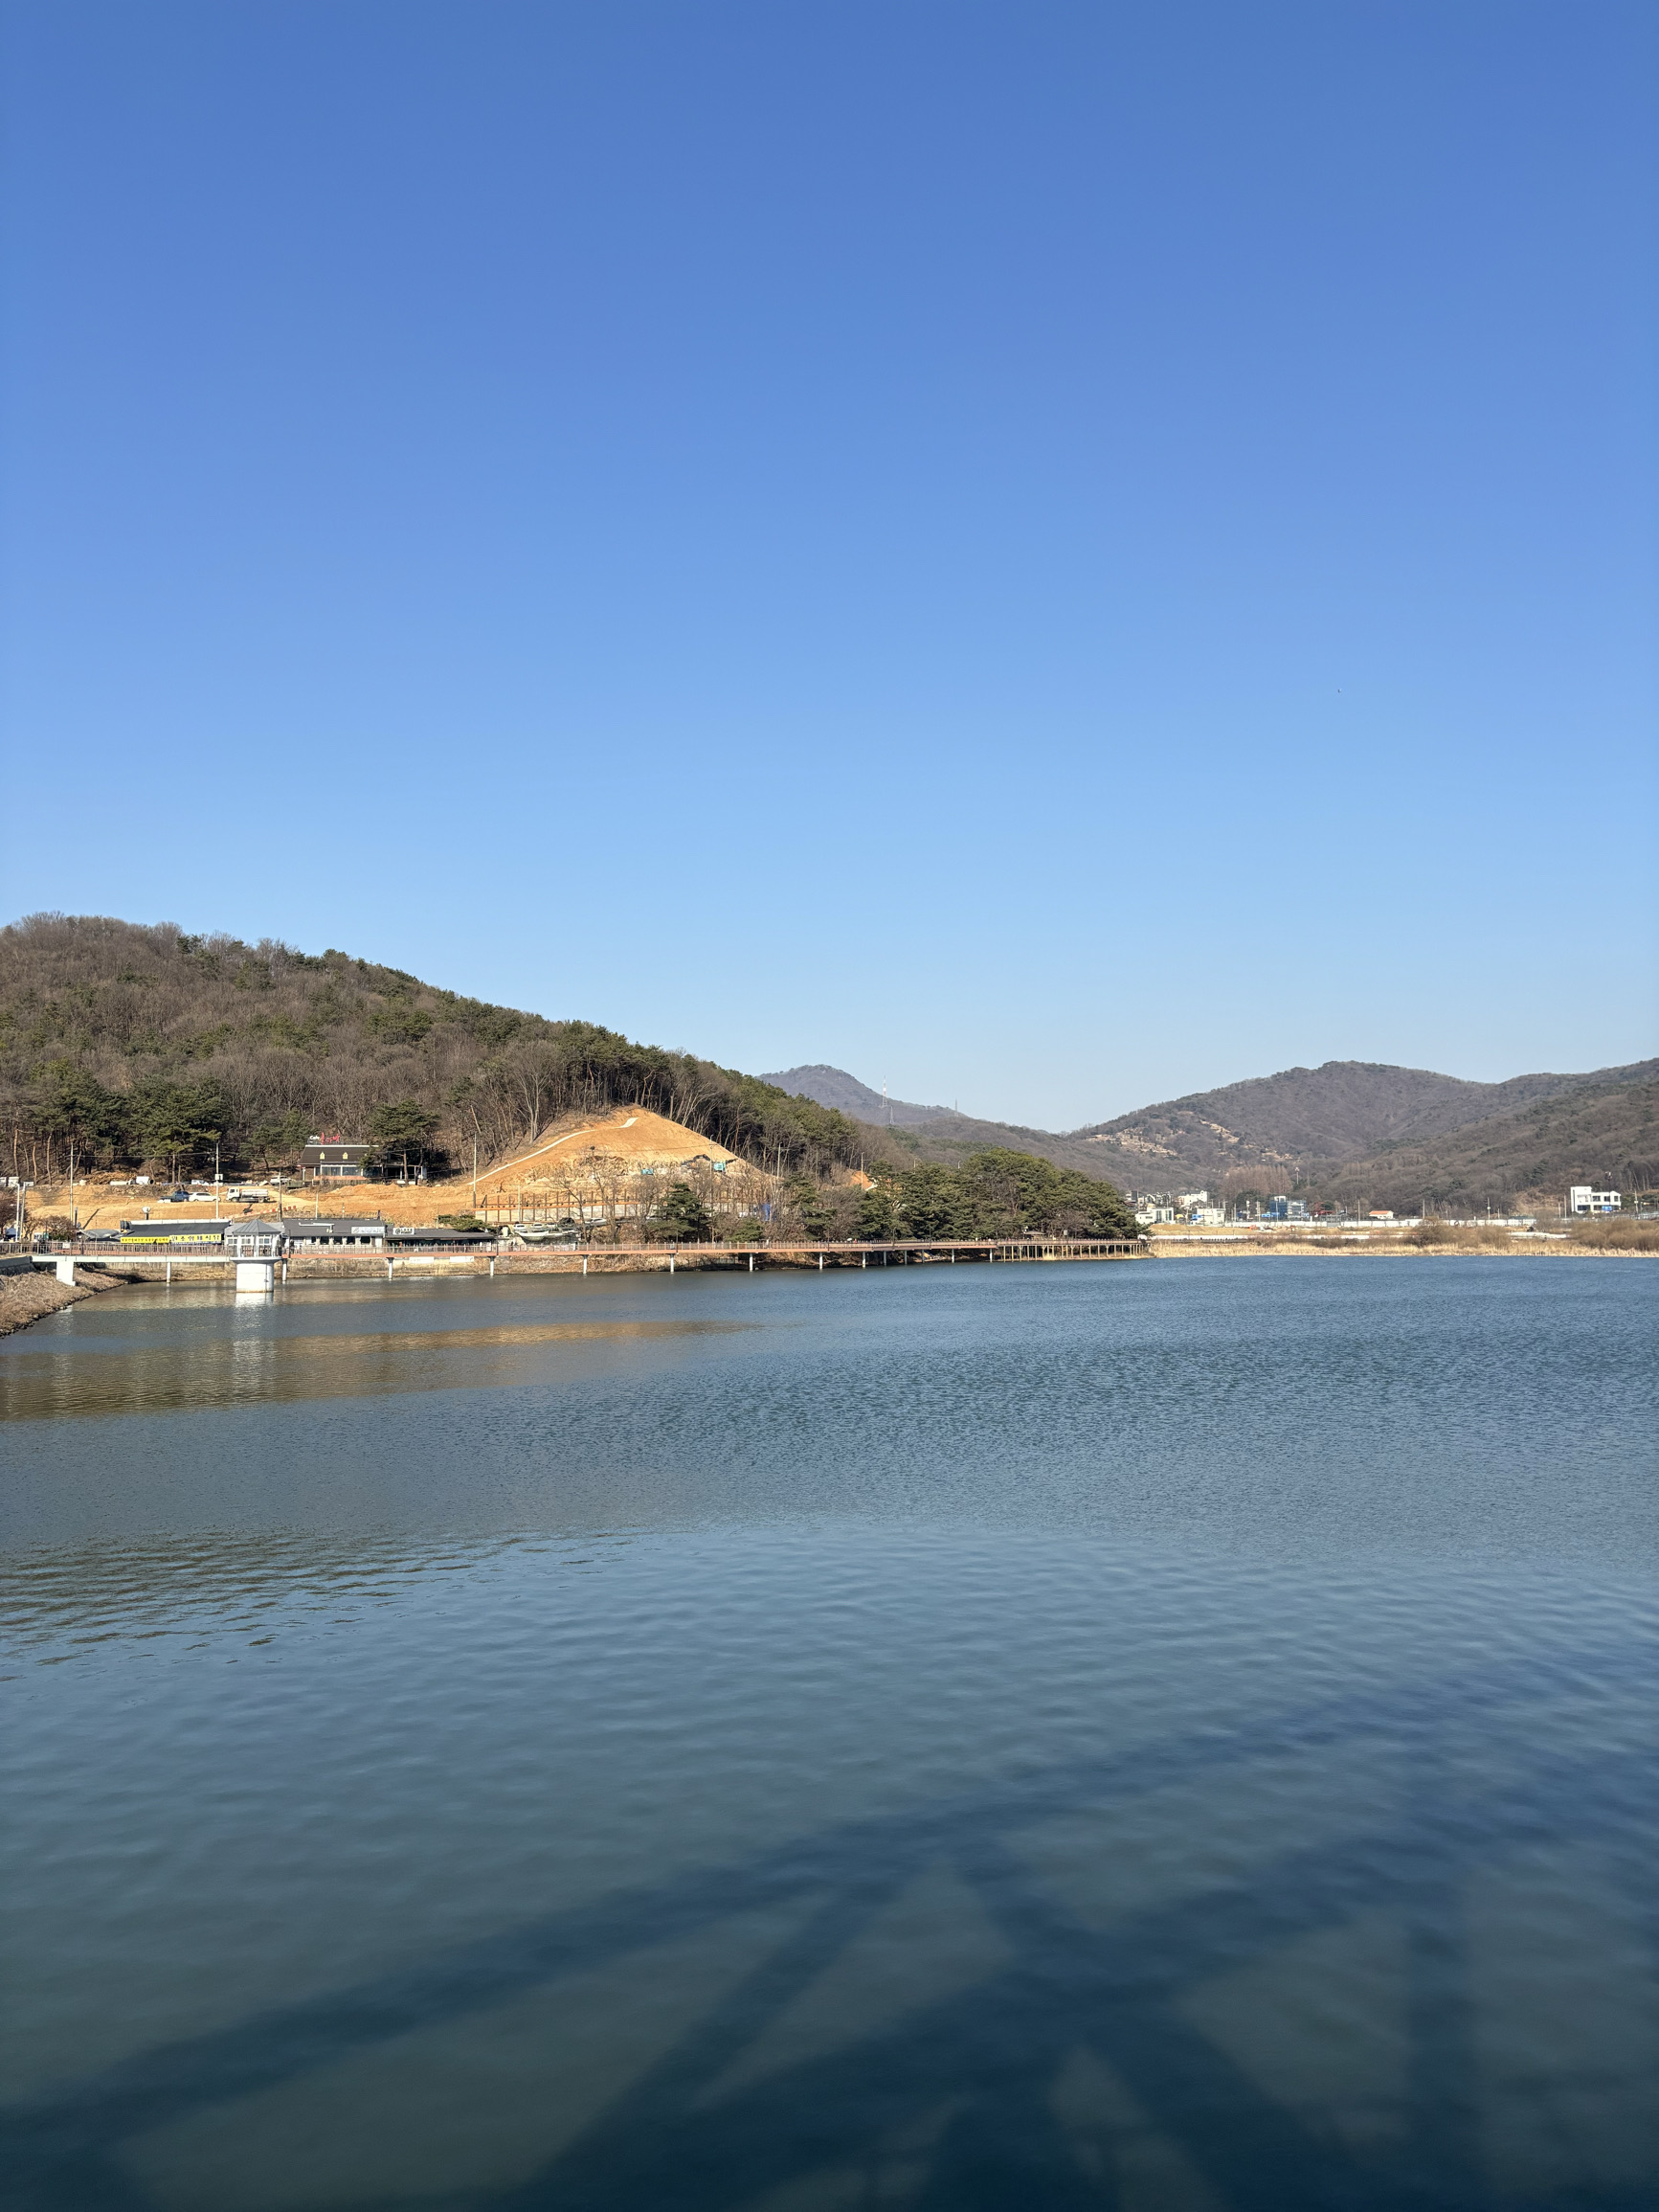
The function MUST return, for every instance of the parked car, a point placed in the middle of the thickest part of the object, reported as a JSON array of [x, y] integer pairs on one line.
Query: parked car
[[179, 1197]]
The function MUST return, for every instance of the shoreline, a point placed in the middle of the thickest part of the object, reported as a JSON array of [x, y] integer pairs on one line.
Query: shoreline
[[26, 1299], [1167, 1249]]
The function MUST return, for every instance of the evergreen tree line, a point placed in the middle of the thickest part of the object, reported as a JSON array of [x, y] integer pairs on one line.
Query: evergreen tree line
[[994, 1193]]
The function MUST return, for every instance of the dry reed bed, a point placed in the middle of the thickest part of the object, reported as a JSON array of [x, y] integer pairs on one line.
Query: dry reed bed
[[31, 1298], [1467, 1247]]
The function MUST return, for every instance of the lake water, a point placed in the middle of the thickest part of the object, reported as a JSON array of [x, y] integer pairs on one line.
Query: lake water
[[1150, 1736]]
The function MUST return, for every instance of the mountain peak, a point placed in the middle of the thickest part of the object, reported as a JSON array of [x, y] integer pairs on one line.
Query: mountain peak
[[828, 1086]]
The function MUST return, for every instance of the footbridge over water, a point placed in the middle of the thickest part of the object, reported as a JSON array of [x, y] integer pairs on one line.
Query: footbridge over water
[[261, 1268]]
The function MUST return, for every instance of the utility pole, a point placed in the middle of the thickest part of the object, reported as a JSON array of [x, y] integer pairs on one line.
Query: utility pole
[[475, 1175], [216, 1179]]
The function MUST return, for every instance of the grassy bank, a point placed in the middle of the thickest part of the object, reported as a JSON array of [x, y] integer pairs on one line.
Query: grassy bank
[[31, 1298], [1431, 1239]]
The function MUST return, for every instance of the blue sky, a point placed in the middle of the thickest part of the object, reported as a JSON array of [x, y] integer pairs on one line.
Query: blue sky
[[1050, 555]]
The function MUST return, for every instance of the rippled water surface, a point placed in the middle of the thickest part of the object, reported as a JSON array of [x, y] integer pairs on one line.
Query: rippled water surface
[[1151, 1736]]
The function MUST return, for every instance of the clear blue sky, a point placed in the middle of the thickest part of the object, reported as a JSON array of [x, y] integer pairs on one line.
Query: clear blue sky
[[1052, 555]]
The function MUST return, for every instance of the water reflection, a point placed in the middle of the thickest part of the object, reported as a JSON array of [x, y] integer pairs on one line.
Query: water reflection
[[238, 1368], [953, 2008]]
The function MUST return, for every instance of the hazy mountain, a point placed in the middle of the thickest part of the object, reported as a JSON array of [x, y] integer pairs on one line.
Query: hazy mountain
[[940, 1133], [1347, 1124], [834, 1087]]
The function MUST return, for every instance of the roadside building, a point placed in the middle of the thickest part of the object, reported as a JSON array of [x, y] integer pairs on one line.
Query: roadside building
[[333, 1158], [321, 1236], [170, 1234], [1583, 1198], [403, 1236]]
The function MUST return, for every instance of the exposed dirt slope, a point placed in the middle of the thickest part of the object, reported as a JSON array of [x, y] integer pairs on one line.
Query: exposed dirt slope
[[641, 1139], [637, 1137]]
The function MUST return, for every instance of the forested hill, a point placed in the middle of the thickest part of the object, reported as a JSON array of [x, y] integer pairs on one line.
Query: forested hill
[[139, 1042], [1603, 1128], [1296, 1128]]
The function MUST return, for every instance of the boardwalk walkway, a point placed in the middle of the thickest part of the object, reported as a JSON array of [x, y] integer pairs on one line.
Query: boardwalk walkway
[[512, 1258]]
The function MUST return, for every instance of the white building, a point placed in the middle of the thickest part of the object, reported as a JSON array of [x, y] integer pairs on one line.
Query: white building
[[1583, 1199], [325, 1235]]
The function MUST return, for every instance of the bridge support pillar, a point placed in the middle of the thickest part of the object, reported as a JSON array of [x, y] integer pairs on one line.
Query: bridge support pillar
[[65, 1268], [255, 1275]]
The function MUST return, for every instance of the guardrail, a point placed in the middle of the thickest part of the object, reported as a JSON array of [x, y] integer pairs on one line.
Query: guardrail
[[65, 1257], [907, 1252]]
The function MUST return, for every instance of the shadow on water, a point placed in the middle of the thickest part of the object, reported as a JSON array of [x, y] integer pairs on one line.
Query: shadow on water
[[1078, 2065], [1387, 1950]]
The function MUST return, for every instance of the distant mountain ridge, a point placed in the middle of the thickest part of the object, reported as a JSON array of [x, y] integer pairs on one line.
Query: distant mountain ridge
[[1604, 1129], [929, 1132], [138, 1041], [1304, 1120], [834, 1087], [1350, 1128]]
